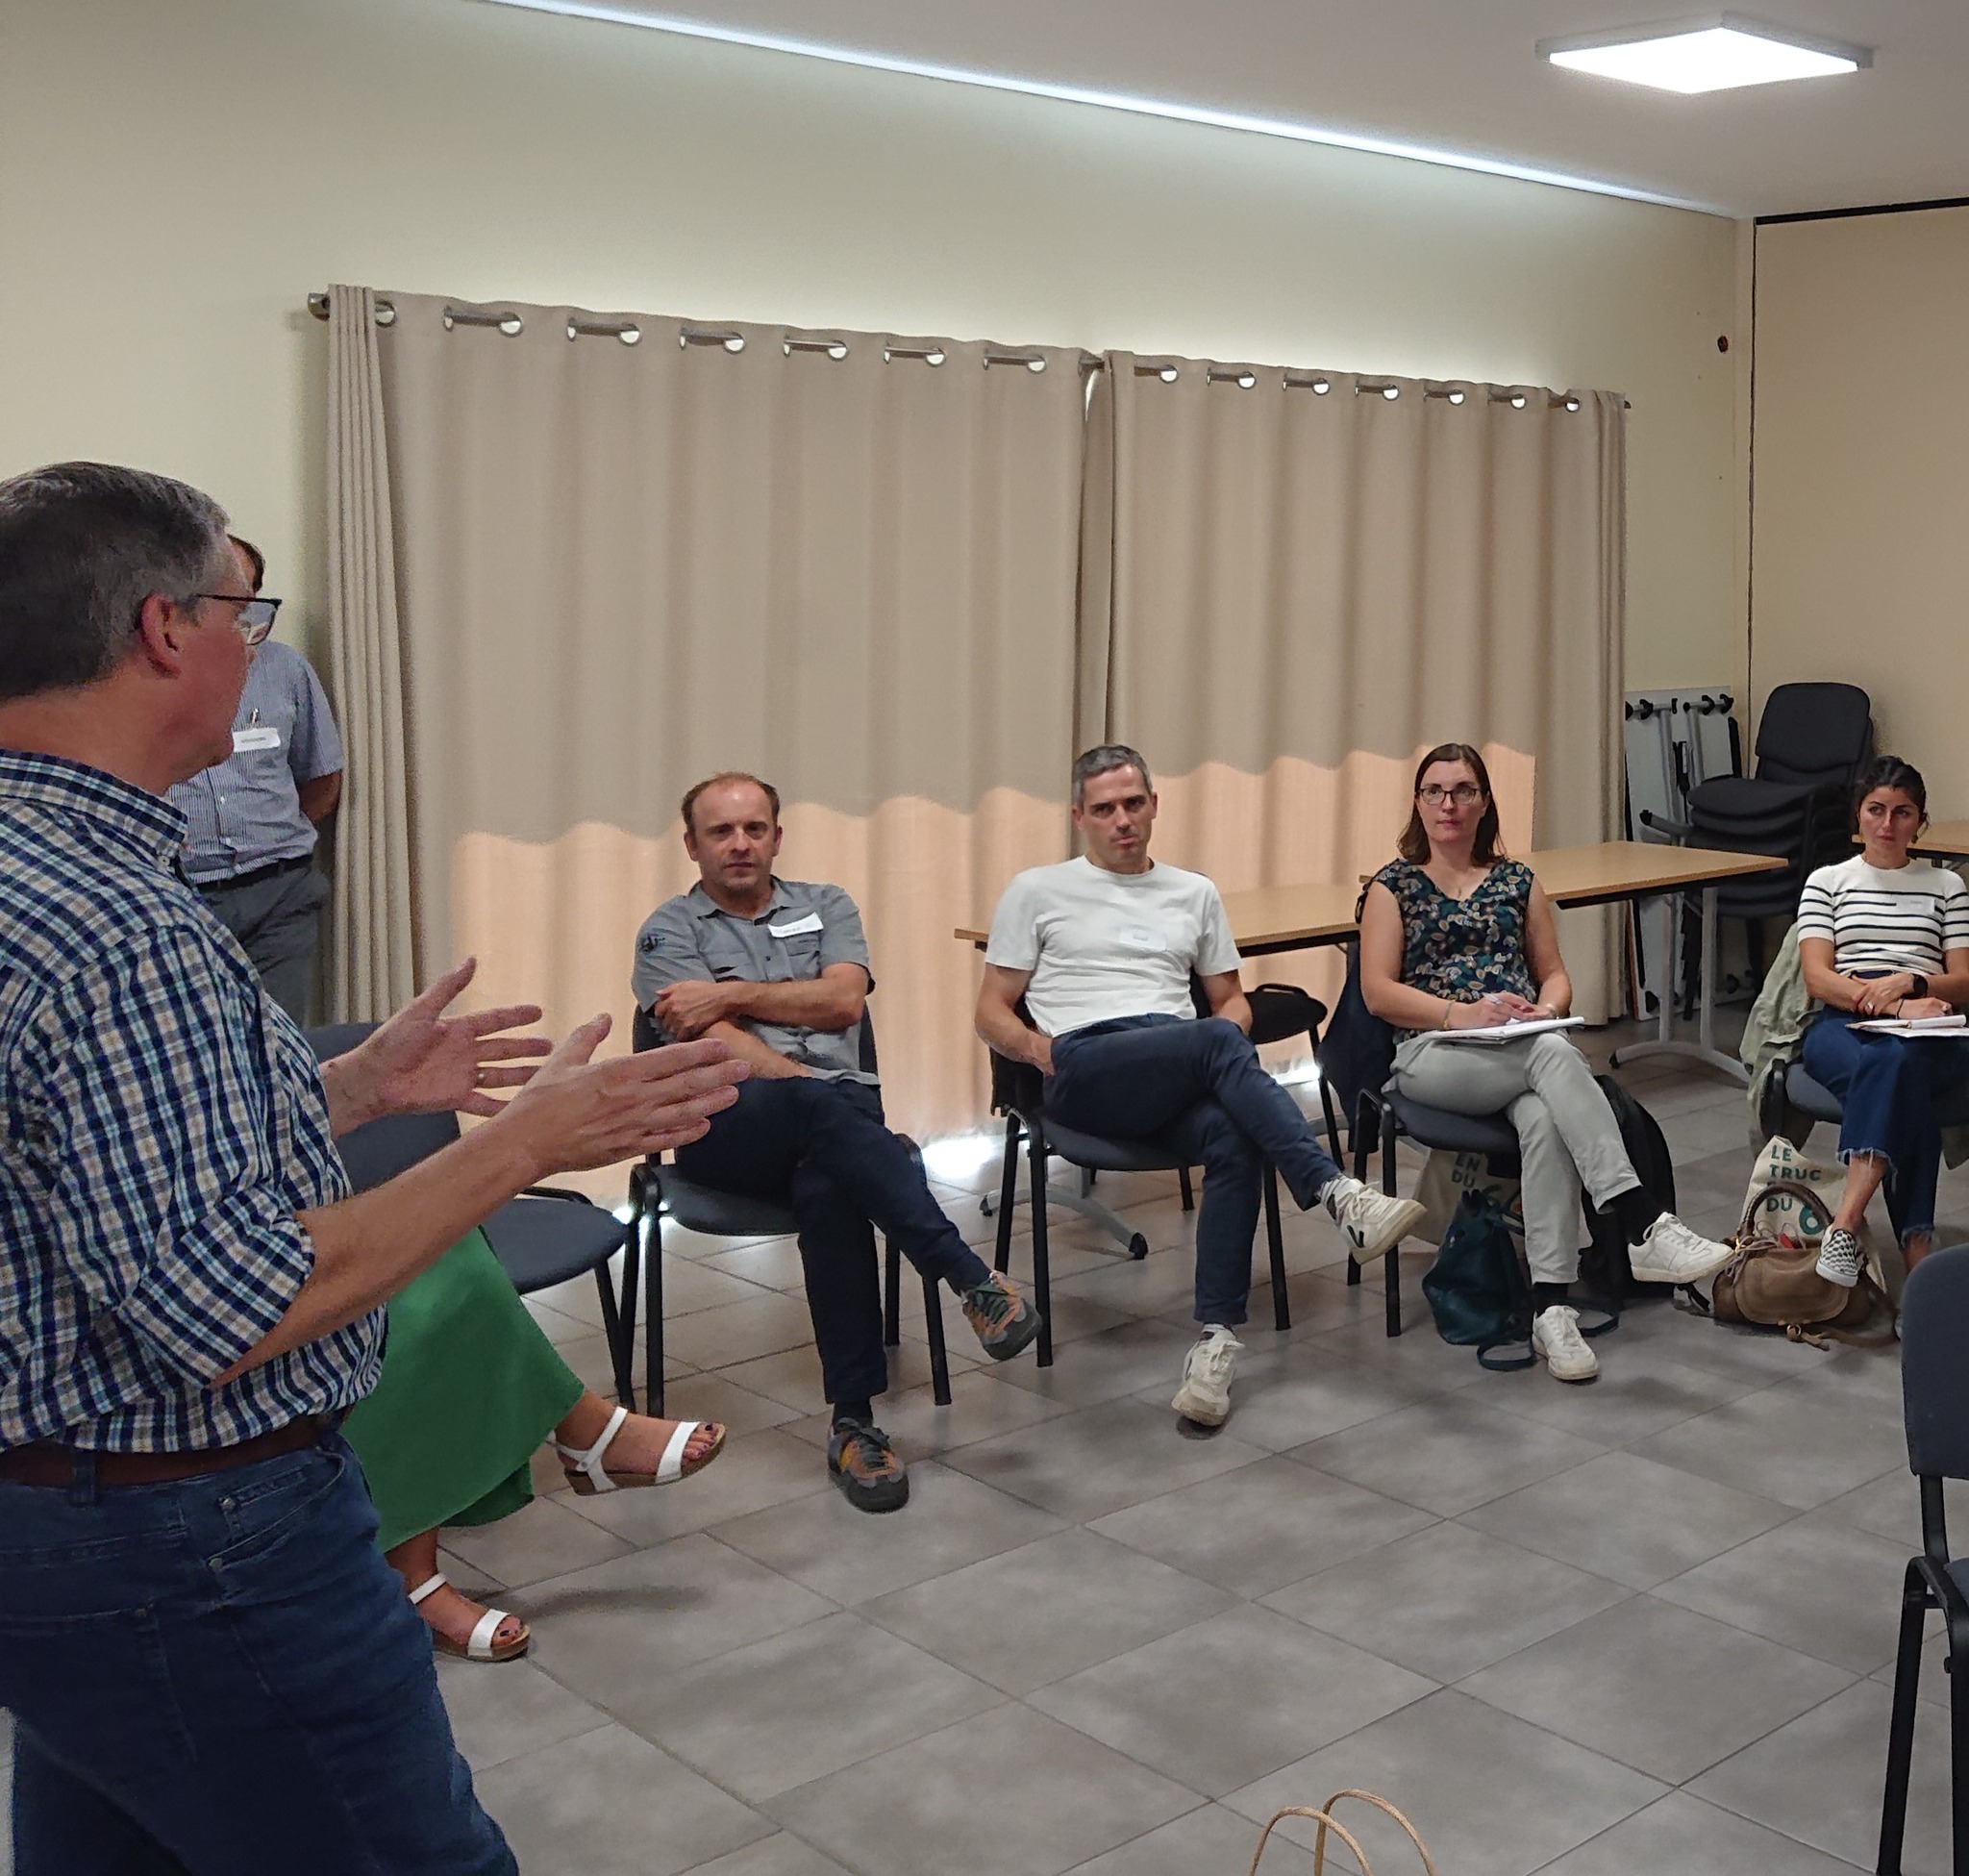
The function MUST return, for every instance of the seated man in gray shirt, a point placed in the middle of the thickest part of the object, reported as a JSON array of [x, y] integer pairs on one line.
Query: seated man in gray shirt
[[778, 970], [249, 847]]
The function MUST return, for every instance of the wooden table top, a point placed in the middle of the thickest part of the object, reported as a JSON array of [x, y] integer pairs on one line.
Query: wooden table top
[[1945, 841], [1293, 917]]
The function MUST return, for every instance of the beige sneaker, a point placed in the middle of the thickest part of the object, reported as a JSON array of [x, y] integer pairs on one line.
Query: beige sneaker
[[1671, 1253], [1371, 1222], [1556, 1335], [1205, 1395]]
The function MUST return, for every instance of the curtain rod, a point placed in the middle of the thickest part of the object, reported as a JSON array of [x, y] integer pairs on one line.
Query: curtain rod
[[932, 352], [927, 351]]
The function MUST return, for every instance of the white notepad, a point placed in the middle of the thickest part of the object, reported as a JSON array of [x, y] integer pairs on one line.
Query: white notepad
[[1942, 1026], [1511, 1032]]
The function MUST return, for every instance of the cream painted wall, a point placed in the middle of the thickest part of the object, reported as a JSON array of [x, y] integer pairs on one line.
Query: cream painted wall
[[1861, 552], [176, 175]]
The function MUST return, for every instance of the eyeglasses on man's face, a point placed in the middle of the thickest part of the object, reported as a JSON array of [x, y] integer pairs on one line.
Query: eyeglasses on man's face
[[254, 616], [1462, 794]]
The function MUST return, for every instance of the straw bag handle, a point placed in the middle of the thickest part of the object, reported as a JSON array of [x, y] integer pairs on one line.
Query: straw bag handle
[[1319, 1853], [1381, 1804]]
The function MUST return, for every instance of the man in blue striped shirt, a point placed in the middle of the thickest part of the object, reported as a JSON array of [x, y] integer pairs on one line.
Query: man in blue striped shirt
[[212, 1668]]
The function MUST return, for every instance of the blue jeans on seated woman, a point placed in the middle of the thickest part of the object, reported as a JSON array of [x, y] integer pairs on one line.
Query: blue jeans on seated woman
[[222, 1677], [1196, 1089], [1888, 1088]]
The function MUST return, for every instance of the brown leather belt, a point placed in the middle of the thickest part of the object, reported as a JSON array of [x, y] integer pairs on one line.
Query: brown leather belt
[[48, 1464]]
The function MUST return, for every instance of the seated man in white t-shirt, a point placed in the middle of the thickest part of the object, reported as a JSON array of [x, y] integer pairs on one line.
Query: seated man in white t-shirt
[[1102, 949]]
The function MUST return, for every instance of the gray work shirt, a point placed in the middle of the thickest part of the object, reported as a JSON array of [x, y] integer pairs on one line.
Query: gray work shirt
[[803, 930], [245, 812]]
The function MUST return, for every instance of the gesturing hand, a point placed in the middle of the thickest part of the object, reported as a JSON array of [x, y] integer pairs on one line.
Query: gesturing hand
[[423, 1061], [578, 1114]]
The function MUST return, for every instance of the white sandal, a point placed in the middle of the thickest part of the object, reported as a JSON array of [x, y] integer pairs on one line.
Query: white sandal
[[587, 1474], [482, 1646]]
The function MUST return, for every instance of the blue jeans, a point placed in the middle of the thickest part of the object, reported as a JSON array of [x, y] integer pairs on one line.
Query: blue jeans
[[222, 1677], [821, 1149], [1197, 1089], [1888, 1089]]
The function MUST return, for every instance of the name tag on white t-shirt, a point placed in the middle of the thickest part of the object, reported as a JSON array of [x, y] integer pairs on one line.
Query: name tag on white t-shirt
[[797, 928], [260, 735], [1141, 937]]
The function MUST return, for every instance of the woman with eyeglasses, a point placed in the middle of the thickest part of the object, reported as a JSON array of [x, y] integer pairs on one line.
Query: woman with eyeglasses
[[1885, 935], [1455, 935]]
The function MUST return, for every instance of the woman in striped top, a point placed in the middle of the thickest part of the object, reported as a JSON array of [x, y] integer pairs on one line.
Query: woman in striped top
[[1885, 935]]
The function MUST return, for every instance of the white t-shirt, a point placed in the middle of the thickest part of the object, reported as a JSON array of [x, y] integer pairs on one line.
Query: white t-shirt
[[1100, 945], [1887, 918]]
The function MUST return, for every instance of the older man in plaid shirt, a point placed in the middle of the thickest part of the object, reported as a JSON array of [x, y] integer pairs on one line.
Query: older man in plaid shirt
[[212, 1668]]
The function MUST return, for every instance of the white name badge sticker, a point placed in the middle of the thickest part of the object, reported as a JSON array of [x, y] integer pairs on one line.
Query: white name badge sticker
[[1140, 938], [797, 928], [260, 735]]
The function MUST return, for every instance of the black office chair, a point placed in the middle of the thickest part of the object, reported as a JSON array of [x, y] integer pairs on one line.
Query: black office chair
[[1934, 1392], [657, 1192], [547, 1236], [1018, 1091], [1357, 1065], [1813, 741]]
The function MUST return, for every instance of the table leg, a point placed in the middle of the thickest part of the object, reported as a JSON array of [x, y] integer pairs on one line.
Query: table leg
[[1665, 1042]]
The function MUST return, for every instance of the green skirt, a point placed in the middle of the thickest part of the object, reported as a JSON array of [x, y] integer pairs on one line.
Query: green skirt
[[470, 1388]]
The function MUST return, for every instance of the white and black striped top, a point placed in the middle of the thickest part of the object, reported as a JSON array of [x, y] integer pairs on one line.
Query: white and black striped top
[[1880, 920]]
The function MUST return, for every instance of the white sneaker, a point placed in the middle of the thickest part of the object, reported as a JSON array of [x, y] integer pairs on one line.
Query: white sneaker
[[1371, 1222], [1841, 1258], [1556, 1335], [1671, 1253], [1205, 1395]]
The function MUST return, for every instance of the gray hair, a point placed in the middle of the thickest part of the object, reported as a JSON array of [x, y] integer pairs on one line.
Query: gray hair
[[82, 546], [1104, 760]]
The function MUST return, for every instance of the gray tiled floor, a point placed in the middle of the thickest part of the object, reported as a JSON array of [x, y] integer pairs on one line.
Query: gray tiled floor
[[1636, 1627]]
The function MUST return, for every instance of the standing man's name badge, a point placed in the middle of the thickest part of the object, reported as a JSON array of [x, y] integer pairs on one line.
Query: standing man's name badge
[[258, 735], [797, 927]]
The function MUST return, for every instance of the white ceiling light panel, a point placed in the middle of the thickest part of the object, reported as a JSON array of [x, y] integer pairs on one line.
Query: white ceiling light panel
[[1718, 52]]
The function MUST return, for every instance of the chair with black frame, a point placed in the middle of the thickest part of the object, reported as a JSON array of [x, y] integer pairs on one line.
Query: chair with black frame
[[657, 1192], [1934, 1391], [1813, 741], [547, 1236], [1278, 1012], [1357, 1064]]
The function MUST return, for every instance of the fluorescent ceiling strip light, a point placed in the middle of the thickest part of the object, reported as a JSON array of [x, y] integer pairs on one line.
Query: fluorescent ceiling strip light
[[1185, 114], [1719, 52]]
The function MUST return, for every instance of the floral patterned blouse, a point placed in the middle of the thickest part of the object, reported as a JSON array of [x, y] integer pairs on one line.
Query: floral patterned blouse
[[1462, 949]]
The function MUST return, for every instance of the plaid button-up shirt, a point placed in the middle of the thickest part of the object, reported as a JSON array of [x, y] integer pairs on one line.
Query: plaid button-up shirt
[[164, 1122]]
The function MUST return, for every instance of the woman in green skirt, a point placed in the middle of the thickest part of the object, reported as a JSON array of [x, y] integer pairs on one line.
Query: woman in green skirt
[[470, 1388]]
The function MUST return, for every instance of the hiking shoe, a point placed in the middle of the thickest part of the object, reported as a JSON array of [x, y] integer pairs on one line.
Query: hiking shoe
[[1371, 1222], [1556, 1335], [1841, 1258], [1004, 1321], [1205, 1395], [866, 1468], [1671, 1252]]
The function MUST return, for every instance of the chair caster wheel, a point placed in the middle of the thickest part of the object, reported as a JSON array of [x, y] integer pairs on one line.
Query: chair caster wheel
[[1137, 1247]]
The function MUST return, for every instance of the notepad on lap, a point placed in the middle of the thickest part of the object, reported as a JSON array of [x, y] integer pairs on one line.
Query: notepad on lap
[[1944, 1026], [1511, 1032]]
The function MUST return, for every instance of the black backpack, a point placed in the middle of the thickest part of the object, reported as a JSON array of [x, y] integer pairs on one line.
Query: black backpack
[[1476, 1289], [1604, 1265]]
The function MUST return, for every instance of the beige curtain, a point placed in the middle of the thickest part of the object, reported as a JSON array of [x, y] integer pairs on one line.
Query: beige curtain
[[1296, 582], [824, 557], [372, 963]]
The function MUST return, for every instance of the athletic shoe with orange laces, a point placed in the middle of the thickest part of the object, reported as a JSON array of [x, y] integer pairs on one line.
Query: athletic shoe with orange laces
[[1004, 1320], [865, 1466]]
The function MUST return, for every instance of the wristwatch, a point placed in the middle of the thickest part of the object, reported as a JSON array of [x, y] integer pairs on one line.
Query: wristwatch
[[1920, 988]]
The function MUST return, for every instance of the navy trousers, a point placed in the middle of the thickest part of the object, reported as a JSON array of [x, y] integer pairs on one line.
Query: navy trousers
[[1887, 1089], [222, 1677], [821, 1149], [1198, 1089]]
